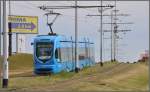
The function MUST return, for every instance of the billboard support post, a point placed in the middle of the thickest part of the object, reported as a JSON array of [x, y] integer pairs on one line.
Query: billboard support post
[[10, 39]]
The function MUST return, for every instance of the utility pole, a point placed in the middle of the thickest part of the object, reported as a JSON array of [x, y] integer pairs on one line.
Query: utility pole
[[76, 38], [114, 41], [5, 46], [114, 32], [101, 34], [111, 36]]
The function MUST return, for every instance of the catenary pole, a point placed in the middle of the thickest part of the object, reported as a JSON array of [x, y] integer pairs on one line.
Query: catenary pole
[[5, 47], [101, 34], [115, 30], [111, 36], [76, 38]]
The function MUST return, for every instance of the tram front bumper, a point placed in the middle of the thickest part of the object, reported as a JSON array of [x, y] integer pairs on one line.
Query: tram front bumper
[[45, 69]]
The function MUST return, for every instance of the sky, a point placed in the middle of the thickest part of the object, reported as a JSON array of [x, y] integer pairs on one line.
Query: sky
[[129, 48]]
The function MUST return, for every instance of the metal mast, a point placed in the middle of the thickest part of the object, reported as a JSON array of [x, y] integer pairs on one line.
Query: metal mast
[[76, 38], [5, 46], [114, 32], [111, 36], [101, 34]]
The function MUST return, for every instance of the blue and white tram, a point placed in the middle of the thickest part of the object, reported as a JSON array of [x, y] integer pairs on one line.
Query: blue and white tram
[[54, 53]]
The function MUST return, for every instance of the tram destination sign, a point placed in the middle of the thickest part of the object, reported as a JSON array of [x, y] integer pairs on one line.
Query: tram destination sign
[[23, 24]]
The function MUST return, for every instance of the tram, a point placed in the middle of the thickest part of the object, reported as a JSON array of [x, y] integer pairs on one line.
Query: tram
[[56, 53]]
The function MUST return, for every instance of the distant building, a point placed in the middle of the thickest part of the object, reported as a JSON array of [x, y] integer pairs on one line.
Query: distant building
[[144, 56], [20, 43]]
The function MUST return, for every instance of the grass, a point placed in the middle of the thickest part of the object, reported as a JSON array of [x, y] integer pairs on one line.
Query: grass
[[138, 81], [20, 61], [113, 76], [63, 75]]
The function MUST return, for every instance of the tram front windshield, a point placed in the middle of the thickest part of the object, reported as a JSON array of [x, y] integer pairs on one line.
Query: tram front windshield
[[44, 50]]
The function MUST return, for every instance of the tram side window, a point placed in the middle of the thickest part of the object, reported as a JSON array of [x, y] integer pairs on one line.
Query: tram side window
[[66, 54], [58, 54], [63, 54]]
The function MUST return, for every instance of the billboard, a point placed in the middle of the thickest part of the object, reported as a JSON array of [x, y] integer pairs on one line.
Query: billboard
[[23, 24]]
